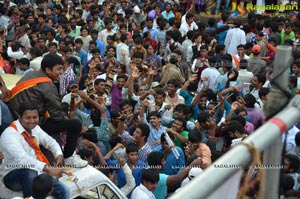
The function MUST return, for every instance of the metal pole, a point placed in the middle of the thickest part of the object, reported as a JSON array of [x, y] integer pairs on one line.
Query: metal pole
[[272, 156], [211, 178], [276, 99]]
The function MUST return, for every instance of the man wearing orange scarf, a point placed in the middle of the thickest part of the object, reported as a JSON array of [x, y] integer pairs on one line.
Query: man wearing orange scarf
[[23, 159]]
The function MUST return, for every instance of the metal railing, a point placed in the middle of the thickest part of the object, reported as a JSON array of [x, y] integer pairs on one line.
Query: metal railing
[[267, 138]]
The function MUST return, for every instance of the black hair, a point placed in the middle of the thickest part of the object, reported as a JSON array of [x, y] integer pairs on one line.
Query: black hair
[[211, 22], [124, 37], [122, 75], [294, 162], [95, 115], [239, 110], [224, 16], [52, 44], [297, 139], [36, 52], [219, 48], [78, 40], [90, 135], [250, 100], [28, 105], [181, 119], [114, 140], [195, 136], [98, 81], [240, 119], [154, 114], [160, 91], [150, 175], [42, 185], [189, 15], [24, 61], [124, 103], [188, 109], [85, 153], [180, 107], [50, 61], [132, 147], [261, 78], [243, 64], [263, 92], [234, 125], [145, 130], [52, 32], [155, 158], [203, 117], [174, 83]]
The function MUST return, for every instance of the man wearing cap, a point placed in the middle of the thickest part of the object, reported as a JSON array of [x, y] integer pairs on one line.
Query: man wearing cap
[[255, 64], [138, 16], [38, 87], [174, 72]]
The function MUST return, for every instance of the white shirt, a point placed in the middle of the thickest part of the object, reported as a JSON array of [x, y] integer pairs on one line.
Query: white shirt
[[122, 46], [25, 41], [212, 73], [36, 63], [103, 35], [290, 140], [130, 182], [185, 27], [15, 54], [18, 153], [238, 57], [234, 37], [141, 192]]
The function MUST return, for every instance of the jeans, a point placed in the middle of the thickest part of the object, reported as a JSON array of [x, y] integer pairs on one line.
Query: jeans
[[73, 129], [227, 2], [6, 116], [21, 180]]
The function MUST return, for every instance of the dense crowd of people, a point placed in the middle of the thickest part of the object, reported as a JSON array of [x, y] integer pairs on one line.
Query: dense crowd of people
[[141, 90]]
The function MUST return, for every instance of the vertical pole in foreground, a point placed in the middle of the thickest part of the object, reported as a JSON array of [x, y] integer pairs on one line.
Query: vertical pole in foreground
[[276, 99]]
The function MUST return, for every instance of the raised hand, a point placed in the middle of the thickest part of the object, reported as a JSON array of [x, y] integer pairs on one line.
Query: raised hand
[[135, 73], [123, 52], [193, 77]]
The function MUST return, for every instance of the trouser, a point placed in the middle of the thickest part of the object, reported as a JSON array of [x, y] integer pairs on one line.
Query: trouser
[[71, 127], [21, 180], [227, 2]]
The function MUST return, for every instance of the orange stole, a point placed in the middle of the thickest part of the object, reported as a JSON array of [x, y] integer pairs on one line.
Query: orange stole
[[28, 84], [32, 143]]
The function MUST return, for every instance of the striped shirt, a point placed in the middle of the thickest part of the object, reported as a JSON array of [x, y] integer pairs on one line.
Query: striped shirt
[[65, 79]]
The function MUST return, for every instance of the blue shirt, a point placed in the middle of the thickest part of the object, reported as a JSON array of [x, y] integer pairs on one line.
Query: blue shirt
[[172, 165], [152, 31], [136, 172], [101, 47], [162, 190], [196, 111], [168, 16], [222, 35], [83, 58], [188, 98], [154, 134]]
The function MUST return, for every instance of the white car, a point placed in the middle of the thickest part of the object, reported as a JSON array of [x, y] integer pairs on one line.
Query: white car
[[86, 182]]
